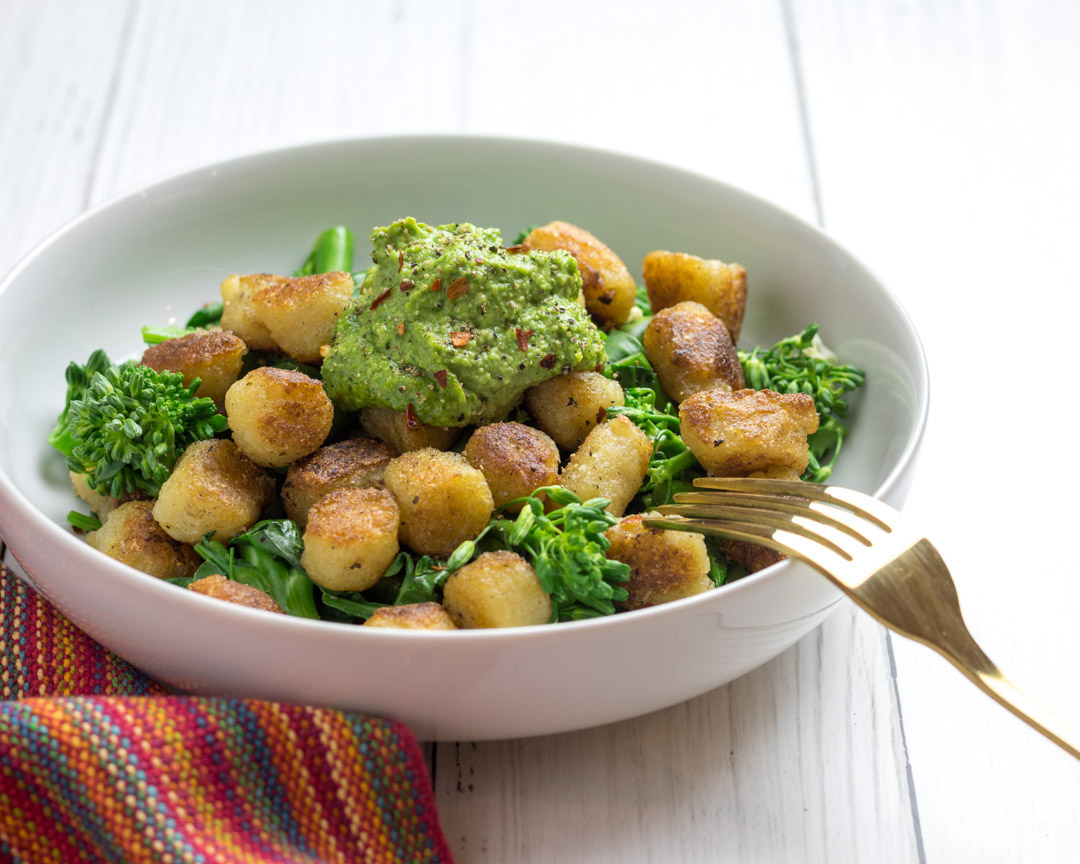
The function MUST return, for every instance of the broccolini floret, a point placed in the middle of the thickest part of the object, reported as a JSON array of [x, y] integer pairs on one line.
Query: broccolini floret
[[125, 426]]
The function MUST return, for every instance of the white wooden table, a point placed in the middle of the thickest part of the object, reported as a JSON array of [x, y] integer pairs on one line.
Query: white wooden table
[[940, 141]]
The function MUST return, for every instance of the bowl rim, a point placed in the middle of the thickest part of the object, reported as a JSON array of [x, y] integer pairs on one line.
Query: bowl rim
[[12, 496]]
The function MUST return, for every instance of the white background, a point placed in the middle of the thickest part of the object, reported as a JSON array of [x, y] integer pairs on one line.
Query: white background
[[939, 141]]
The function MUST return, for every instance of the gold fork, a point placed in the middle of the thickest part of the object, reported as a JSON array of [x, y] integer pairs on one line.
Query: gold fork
[[860, 544]]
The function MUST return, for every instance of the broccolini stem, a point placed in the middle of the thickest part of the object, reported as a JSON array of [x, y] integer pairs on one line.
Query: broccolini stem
[[333, 251]]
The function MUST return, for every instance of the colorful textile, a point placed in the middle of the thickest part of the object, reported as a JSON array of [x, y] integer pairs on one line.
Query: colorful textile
[[156, 778]]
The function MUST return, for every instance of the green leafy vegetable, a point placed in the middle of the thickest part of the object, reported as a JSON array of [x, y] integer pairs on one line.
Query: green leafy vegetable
[[78, 381], [566, 548], [333, 251], [422, 580], [208, 316], [82, 521], [802, 364], [267, 556], [125, 426], [157, 335]]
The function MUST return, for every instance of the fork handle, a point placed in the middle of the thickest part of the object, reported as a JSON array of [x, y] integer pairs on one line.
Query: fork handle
[[981, 670]]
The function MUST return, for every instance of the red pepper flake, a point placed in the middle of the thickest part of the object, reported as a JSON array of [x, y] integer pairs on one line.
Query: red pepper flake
[[518, 249], [400, 261], [437, 567], [436, 285], [406, 285], [457, 289], [378, 300], [401, 328], [523, 338], [601, 413], [460, 338], [440, 376], [411, 420], [548, 362], [599, 366]]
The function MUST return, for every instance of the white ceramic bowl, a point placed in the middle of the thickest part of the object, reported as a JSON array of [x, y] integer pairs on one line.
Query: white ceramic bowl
[[156, 254]]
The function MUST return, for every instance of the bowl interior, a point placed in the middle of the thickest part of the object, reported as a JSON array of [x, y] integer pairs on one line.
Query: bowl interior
[[156, 255]]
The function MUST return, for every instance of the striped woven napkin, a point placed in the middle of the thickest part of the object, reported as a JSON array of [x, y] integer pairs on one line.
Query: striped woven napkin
[[99, 764]]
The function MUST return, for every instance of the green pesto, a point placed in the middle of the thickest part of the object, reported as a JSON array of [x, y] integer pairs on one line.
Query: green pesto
[[394, 344]]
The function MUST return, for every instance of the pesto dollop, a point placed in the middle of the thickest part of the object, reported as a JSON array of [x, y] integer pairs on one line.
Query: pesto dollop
[[454, 324]]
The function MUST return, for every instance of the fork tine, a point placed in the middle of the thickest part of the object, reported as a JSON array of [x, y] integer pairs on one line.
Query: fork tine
[[863, 505], [761, 523], [720, 504], [803, 545]]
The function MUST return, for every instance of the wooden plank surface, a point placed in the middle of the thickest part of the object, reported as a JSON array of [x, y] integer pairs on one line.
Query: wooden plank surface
[[947, 138], [941, 147]]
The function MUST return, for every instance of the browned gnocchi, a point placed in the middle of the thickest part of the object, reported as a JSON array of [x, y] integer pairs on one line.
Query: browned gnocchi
[[351, 538], [515, 459], [568, 407], [610, 463], [498, 589], [214, 489], [212, 356], [355, 463], [675, 277], [749, 433], [278, 416], [131, 534], [412, 616], [691, 351], [299, 314], [664, 565], [444, 501]]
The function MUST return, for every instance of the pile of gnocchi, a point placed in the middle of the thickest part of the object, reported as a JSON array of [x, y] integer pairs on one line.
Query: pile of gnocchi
[[365, 487]]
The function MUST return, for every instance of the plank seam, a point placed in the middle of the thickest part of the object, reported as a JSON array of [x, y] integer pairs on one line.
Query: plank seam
[[920, 848]]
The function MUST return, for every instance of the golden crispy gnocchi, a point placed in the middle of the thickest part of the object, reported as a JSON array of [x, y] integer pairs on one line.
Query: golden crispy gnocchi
[[238, 309], [220, 588], [498, 589], [610, 463], [675, 277], [444, 501], [351, 538], [412, 616], [749, 433], [568, 407], [608, 287], [664, 565], [277, 415], [393, 428], [352, 464], [300, 313], [691, 351], [214, 488], [131, 535], [514, 458], [212, 356]]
